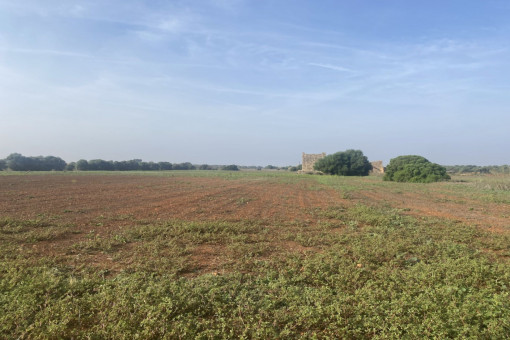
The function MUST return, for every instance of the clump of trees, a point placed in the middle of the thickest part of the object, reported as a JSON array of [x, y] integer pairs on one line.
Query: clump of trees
[[18, 162], [232, 167], [346, 163], [183, 166], [413, 168]]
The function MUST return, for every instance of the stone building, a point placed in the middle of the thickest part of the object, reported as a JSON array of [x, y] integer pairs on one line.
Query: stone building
[[377, 167], [309, 161]]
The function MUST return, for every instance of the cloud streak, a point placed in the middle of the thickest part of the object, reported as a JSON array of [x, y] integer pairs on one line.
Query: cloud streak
[[332, 67]]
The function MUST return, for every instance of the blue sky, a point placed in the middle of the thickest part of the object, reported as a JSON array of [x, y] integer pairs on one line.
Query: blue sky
[[255, 82]]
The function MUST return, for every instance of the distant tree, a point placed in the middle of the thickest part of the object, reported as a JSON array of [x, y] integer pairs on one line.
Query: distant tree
[[346, 163], [149, 166], [70, 166], [270, 167], [133, 164], [52, 163], [232, 167], [183, 166], [204, 167], [295, 168], [100, 165], [82, 165], [153, 166], [3, 164], [18, 162], [165, 166], [413, 168]]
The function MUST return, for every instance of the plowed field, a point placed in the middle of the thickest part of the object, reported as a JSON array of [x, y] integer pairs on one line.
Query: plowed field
[[85, 198]]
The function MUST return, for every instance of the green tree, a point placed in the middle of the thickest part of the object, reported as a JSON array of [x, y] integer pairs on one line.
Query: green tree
[[165, 166], [70, 166], [51, 163], [295, 168], [3, 164], [82, 165], [183, 166], [346, 163], [18, 162], [100, 165], [232, 167], [413, 168]]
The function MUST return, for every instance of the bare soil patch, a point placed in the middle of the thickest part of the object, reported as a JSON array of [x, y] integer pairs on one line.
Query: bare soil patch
[[100, 200]]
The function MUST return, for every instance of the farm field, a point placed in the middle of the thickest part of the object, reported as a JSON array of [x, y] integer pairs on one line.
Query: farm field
[[215, 254]]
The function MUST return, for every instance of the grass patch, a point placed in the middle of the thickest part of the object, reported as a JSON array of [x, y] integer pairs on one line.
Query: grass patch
[[31, 231]]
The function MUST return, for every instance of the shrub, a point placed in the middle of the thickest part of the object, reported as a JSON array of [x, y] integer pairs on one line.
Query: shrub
[[347, 163], [414, 168]]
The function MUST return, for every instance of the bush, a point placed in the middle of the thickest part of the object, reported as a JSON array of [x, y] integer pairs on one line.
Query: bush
[[347, 163], [415, 169]]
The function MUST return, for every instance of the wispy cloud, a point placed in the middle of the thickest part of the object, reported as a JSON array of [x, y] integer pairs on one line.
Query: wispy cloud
[[332, 67]]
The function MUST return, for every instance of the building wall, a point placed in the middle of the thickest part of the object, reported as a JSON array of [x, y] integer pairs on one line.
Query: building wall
[[310, 159], [377, 167]]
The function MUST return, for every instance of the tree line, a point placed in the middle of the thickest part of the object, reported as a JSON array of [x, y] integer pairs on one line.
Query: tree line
[[18, 162], [476, 169]]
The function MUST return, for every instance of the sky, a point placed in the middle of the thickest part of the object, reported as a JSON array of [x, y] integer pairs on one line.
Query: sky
[[255, 82]]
